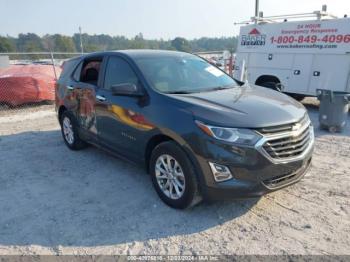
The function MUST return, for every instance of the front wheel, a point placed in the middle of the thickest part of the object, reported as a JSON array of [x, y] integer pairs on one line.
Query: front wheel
[[173, 176]]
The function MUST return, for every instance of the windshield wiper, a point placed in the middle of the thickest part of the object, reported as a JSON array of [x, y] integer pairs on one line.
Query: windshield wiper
[[220, 88], [179, 92]]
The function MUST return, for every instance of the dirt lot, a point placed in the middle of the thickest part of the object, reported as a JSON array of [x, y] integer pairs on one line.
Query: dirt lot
[[54, 201]]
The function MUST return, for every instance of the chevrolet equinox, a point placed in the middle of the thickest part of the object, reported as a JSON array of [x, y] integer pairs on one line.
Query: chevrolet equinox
[[199, 133]]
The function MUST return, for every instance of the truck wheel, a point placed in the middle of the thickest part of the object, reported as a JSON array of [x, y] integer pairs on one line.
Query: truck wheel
[[323, 127], [69, 130], [173, 176], [333, 129], [298, 97], [271, 85]]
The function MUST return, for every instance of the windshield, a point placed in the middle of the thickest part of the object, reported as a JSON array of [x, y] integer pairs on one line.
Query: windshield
[[183, 74]]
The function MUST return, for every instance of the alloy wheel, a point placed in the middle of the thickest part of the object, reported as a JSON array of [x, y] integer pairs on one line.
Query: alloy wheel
[[170, 176], [68, 130]]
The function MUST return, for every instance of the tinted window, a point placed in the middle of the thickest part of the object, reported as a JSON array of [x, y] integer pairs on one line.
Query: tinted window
[[68, 67], [119, 72], [90, 71], [183, 73]]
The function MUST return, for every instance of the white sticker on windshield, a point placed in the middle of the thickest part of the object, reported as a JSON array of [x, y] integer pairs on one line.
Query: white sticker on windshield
[[214, 71]]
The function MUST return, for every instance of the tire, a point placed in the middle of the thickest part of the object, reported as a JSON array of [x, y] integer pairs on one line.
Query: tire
[[189, 192], [323, 127], [69, 124], [333, 129]]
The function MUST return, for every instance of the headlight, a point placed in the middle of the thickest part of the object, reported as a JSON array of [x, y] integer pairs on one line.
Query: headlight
[[234, 135]]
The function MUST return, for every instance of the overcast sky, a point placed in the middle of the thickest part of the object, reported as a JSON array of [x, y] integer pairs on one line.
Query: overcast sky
[[154, 18]]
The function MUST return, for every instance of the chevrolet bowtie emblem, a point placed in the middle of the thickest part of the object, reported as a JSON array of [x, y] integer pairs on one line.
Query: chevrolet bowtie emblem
[[296, 127]]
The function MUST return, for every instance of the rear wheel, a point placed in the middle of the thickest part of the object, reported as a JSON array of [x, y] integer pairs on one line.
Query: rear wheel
[[173, 176], [69, 129]]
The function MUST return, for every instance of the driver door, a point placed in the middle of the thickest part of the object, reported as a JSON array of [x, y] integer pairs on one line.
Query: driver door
[[119, 118]]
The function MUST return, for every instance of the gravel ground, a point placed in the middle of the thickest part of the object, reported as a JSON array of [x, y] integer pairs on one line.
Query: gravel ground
[[55, 201]]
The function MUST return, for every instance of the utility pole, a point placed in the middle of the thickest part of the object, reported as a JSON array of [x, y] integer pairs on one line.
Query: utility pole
[[256, 11], [81, 41]]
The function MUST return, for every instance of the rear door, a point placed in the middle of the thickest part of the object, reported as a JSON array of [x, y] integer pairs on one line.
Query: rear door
[[65, 88], [87, 78]]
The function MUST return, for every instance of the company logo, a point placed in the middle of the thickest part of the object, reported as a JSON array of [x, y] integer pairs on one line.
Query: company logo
[[296, 127], [253, 38]]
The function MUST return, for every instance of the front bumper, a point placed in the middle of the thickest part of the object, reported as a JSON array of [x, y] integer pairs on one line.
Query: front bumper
[[238, 189], [254, 174]]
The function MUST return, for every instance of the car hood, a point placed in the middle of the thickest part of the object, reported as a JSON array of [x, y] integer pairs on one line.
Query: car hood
[[245, 106]]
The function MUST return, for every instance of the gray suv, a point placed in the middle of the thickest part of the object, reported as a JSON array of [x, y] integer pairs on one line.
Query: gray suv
[[198, 132]]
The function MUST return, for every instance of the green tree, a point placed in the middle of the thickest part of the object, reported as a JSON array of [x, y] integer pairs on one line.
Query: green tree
[[91, 48], [181, 44], [60, 43], [29, 43], [6, 45], [63, 43], [137, 42]]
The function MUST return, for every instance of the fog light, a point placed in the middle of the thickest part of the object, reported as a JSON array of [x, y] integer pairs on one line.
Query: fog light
[[221, 173]]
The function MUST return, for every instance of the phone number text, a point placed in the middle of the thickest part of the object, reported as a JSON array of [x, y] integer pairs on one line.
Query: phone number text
[[310, 39]]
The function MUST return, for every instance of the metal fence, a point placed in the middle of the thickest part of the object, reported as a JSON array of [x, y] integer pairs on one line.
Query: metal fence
[[222, 59], [27, 80]]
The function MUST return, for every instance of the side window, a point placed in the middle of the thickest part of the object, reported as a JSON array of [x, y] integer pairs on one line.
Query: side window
[[119, 72], [88, 71]]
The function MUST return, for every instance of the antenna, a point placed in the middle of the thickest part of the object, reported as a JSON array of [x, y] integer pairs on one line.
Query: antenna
[[81, 41], [256, 10]]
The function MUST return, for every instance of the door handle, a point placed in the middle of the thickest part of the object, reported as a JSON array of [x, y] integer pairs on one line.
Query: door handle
[[100, 98], [70, 88]]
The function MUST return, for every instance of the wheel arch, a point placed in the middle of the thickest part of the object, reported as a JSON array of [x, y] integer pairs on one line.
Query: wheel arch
[[267, 78], [61, 110], [164, 137], [152, 143]]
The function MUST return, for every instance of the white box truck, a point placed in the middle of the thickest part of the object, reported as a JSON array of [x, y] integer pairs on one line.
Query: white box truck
[[297, 56]]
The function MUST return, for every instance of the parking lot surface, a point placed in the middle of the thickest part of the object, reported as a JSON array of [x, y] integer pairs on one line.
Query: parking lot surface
[[55, 201]]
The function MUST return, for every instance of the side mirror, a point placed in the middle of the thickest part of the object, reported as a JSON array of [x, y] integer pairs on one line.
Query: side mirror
[[126, 89]]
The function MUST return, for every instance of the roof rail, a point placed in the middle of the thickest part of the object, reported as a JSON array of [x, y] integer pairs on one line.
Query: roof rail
[[319, 15]]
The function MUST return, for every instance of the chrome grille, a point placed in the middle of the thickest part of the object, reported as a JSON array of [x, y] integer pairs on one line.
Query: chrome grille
[[267, 131], [289, 143], [279, 180]]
